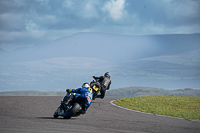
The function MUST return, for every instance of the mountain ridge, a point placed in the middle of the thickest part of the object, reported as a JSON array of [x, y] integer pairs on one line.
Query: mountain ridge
[[96, 45], [166, 61], [120, 92]]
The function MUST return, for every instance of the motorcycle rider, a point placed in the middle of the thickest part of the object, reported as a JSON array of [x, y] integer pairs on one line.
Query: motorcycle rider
[[83, 94], [105, 84]]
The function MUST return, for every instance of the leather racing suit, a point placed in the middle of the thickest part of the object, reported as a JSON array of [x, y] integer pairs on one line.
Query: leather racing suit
[[84, 95], [105, 85]]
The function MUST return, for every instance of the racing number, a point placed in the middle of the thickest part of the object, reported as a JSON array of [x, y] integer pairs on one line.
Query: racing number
[[95, 88], [90, 89]]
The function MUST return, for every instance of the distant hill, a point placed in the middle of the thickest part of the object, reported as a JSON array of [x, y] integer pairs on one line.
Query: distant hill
[[146, 91], [121, 92], [31, 93], [109, 47], [162, 61]]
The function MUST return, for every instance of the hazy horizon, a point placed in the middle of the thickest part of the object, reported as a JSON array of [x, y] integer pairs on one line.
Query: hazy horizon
[[161, 61], [53, 45]]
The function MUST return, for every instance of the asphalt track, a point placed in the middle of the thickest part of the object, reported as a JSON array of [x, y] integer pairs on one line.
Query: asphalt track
[[35, 114]]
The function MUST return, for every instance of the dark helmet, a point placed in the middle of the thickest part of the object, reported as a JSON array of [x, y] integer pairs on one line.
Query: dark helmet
[[107, 74]]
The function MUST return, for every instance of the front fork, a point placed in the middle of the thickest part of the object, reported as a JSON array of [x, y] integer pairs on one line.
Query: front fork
[[65, 102]]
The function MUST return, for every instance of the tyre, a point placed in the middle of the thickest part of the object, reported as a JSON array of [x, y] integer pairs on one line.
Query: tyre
[[55, 115], [93, 98], [71, 112], [94, 94]]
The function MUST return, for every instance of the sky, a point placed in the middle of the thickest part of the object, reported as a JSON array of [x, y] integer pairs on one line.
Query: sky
[[25, 23]]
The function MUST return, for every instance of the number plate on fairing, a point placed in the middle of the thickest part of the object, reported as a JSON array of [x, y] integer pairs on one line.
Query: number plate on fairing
[[95, 88]]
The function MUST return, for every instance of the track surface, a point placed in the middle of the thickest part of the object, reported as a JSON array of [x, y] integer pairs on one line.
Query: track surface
[[35, 114]]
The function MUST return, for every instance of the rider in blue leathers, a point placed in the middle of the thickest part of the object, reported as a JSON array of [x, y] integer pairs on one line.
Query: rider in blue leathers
[[83, 94]]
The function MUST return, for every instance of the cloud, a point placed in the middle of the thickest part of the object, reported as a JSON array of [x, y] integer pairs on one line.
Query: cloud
[[185, 8], [115, 8], [7, 19], [28, 22], [90, 9]]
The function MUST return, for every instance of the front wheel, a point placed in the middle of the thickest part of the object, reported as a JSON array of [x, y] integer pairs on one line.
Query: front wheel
[[55, 115], [73, 111]]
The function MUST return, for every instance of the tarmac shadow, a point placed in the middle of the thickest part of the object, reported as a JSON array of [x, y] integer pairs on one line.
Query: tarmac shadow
[[60, 118], [47, 118]]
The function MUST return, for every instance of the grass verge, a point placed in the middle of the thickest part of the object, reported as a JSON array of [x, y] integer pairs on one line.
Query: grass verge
[[175, 106]]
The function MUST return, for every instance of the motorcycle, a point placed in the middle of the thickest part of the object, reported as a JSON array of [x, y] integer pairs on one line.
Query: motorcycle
[[95, 85], [69, 107]]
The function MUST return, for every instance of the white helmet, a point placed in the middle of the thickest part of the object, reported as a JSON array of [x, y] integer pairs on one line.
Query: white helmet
[[85, 85]]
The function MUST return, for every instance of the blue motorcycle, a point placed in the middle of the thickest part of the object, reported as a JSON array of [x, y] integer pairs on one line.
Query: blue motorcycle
[[69, 107]]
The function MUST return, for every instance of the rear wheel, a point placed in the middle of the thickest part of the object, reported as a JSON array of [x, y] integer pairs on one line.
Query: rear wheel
[[94, 94], [73, 111]]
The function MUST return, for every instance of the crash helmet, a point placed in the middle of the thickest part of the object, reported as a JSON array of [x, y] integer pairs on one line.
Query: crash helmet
[[107, 74], [85, 85]]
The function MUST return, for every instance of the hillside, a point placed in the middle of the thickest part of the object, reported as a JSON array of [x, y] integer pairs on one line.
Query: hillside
[[31, 93], [121, 92], [161, 61], [146, 91], [109, 47]]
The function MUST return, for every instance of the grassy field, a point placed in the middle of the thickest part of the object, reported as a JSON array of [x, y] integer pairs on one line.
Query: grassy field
[[175, 106]]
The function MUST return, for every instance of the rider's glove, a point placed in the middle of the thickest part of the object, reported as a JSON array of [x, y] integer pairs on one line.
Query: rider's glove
[[68, 90]]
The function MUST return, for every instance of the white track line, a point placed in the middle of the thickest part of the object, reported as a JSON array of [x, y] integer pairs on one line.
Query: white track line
[[112, 102]]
